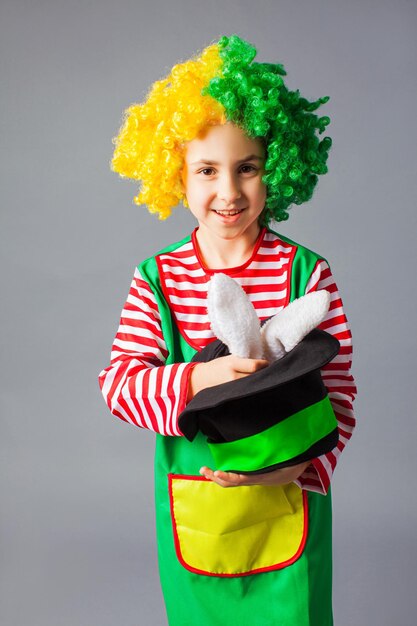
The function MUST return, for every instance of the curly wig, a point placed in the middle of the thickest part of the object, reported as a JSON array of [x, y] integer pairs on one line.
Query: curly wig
[[223, 84]]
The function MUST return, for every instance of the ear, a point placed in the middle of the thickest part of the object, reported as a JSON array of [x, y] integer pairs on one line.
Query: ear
[[233, 318], [290, 325], [272, 346]]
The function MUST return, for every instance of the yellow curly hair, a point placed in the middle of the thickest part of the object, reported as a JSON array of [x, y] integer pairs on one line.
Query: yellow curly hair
[[149, 146]]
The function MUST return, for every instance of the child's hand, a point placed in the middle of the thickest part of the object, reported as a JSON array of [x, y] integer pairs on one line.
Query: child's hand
[[280, 476], [221, 370]]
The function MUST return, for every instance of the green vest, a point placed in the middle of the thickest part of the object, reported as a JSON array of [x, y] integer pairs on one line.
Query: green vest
[[294, 591]]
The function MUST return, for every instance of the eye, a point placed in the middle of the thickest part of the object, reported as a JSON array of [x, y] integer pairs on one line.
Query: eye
[[207, 171], [247, 168]]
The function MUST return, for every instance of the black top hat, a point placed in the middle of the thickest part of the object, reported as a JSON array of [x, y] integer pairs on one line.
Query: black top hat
[[279, 416]]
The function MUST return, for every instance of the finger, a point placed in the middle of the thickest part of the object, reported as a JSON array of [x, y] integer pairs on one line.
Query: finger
[[223, 479], [206, 472], [231, 478]]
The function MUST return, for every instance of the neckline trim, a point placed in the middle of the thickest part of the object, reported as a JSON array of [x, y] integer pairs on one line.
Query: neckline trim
[[226, 270]]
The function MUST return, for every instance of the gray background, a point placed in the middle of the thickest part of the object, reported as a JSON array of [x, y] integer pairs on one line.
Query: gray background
[[77, 519]]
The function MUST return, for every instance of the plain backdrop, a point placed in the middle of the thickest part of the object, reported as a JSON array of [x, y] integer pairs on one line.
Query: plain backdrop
[[77, 512]]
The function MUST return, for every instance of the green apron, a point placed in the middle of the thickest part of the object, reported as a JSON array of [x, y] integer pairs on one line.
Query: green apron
[[244, 556]]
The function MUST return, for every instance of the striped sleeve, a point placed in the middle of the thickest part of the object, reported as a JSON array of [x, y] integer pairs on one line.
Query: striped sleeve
[[137, 386], [337, 378]]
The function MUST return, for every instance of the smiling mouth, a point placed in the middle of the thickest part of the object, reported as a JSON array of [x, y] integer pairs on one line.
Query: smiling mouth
[[228, 213]]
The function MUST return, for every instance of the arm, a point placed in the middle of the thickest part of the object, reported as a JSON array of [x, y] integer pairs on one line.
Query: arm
[[137, 386], [338, 380]]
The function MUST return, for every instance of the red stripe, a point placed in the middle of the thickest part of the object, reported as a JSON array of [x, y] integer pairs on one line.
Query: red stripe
[[172, 261], [144, 341], [184, 277], [150, 304], [123, 404], [132, 396], [186, 293], [116, 381], [334, 321], [141, 284], [274, 242], [202, 326], [145, 396], [190, 310]]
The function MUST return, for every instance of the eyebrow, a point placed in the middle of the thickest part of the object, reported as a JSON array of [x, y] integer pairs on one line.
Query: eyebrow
[[251, 157]]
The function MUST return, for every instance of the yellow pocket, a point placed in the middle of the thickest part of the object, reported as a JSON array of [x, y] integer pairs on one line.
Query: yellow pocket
[[238, 530]]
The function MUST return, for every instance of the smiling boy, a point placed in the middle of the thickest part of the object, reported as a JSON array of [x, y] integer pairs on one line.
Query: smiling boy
[[225, 136]]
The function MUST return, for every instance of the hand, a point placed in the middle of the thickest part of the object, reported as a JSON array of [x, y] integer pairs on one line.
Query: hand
[[280, 476], [221, 370]]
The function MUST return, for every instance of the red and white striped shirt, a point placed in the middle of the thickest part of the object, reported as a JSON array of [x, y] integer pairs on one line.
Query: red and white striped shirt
[[140, 389]]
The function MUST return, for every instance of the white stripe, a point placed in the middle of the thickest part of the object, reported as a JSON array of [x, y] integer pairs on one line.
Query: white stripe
[[141, 420], [268, 281], [189, 302], [143, 417], [270, 265], [266, 296], [138, 328], [326, 282], [194, 318], [177, 258], [133, 346], [326, 374], [339, 359], [338, 311], [346, 342], [184, 284], [279, 247], [267, 312], [337, 328], [180, 271], [341, 409], [315, 276], [326, 465], [152, 399], [140, 315], [140, 304], [108, 378], [198, 334], [123, 391], [337, 382]]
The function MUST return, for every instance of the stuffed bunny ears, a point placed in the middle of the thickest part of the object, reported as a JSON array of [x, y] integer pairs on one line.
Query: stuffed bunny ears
[[235, 322]]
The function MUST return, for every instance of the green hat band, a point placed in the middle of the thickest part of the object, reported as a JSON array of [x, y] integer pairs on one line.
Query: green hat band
[[280, 443]]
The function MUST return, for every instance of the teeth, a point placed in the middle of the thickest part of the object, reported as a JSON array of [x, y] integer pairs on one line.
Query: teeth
[[235, 212]]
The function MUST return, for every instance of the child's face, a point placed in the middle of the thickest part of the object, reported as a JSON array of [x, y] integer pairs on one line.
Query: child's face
[[223, 181]]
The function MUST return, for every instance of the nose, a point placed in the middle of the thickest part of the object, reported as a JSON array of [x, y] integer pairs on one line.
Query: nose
[[228, 190]]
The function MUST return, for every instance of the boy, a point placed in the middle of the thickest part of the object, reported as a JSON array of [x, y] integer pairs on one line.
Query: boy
[[224, 135]]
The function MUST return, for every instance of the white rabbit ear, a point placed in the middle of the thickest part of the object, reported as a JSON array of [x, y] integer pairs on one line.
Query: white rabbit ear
[[233, 318], [290, 325], [272, 346]]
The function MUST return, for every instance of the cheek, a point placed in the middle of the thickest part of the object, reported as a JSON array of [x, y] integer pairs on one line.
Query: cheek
[[259, 193], [197, 191]]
